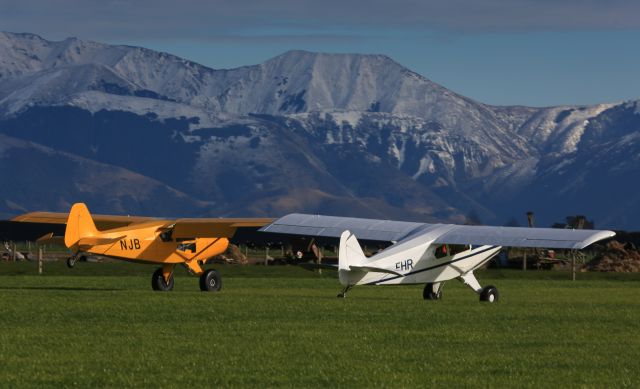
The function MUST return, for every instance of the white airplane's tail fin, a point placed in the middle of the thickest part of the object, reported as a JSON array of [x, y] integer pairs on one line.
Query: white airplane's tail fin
[[350, 252], [352, 263], [352, 258]]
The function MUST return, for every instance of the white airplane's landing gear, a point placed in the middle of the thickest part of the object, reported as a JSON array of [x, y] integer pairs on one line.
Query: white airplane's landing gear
[[432, 291], [158, 282], [489, 294], [210, 281], [343, 292]]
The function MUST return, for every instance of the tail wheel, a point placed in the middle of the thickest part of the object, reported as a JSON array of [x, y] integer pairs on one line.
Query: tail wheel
[[429, 294], [489, 294], [71, 261], [210, 281], [158, 283]]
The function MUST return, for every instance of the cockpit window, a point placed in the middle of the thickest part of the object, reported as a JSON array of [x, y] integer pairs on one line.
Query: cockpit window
[[447, 250], [165, 236], [191, 246], [458, 248], [441, 251]]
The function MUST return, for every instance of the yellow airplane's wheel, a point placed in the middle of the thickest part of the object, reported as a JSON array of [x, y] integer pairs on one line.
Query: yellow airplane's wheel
[[158, 283], [71, 261], [210, 281]]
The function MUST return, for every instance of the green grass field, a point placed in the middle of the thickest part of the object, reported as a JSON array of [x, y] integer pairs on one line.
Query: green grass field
[[101, 325]]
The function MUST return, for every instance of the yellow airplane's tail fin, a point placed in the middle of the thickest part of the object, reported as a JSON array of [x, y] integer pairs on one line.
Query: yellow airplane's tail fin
[[79, 225]]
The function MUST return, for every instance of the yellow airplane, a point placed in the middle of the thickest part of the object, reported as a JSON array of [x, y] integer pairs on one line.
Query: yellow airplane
[[189, 242]]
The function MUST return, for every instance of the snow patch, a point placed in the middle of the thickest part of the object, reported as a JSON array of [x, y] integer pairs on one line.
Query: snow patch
[[426, 165], [95, 101]]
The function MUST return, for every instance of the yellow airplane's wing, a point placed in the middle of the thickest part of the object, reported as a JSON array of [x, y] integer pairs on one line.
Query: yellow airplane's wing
[[42, 217], [103, 222], [182, 228], [214, 227]]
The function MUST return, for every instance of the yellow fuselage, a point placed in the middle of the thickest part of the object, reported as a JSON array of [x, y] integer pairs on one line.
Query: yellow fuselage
[[144, 242]]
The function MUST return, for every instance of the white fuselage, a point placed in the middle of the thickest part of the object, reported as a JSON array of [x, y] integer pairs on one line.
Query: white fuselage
[[414, 261]]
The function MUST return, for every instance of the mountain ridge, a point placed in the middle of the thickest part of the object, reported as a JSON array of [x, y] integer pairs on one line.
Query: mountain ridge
[[354, 118]]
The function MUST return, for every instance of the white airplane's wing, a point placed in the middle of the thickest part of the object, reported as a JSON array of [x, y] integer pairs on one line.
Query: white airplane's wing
[[523, 237], [334, 226], [395, 231]]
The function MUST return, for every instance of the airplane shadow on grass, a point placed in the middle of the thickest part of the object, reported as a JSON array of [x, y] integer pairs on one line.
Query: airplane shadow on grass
[[74, 288]]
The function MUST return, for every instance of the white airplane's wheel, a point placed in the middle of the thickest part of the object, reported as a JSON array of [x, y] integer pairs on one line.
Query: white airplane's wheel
[[158, 283], [489, 294], [429, 294], [210, 281]]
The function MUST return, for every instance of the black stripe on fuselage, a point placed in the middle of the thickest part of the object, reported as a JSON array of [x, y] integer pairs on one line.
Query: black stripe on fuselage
[[432, 267]]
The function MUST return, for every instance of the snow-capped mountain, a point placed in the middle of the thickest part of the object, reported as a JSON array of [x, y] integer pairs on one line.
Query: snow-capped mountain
[[329, 133]]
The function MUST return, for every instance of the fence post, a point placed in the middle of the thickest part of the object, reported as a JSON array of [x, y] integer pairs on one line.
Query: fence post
[[40, 254]]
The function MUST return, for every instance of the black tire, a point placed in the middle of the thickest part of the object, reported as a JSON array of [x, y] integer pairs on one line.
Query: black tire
[[71, 261], [158, 283], [429, 294], [210, 281], [489, 294]]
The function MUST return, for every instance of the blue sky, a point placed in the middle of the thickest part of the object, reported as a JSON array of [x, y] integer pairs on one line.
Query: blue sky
[[503, 52]]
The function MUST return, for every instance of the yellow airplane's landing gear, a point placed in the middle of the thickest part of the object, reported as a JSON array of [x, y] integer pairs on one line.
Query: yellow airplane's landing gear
[[71, 261], [210, 281], [162, 280]]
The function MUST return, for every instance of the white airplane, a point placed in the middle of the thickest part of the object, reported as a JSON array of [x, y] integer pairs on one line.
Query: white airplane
[[423, 253]]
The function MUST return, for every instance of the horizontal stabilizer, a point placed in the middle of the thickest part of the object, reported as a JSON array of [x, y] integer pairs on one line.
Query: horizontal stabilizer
[[374, 269], [98, 241], [50, 238], [314, 266]]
